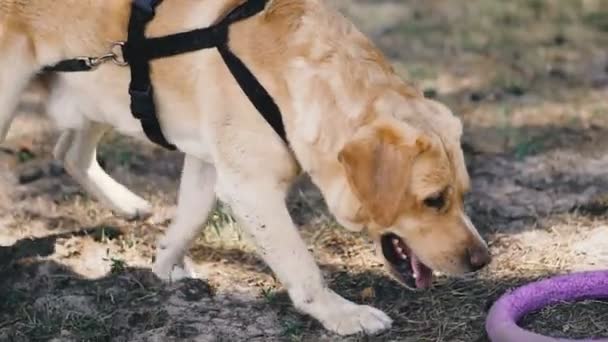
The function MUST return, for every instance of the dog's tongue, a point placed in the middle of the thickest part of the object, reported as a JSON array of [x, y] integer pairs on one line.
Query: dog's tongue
[[423, 274]]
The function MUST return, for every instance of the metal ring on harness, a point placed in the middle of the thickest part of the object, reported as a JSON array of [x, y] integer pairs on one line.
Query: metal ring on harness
[[114, 55], [117, 57]]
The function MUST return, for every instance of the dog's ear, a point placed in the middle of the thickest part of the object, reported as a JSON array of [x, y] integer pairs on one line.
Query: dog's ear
[[378, 165]]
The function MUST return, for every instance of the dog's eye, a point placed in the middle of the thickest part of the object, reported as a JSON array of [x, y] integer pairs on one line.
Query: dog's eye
[[436, 201]]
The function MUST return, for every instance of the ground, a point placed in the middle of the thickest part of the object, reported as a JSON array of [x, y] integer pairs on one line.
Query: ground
[[529, 80]]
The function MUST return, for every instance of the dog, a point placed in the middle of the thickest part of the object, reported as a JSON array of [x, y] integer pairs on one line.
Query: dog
[[386, 159]]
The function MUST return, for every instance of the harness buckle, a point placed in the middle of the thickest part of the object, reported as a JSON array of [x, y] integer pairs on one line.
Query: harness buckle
[[142, 103], [118, 57], [114, 55], [146, 6]]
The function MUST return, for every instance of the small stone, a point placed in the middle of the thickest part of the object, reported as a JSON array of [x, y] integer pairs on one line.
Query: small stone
[[559, 39], [557, 73], [430, 93], [515, 90], [30, 175], [56, 169], [477, 96]]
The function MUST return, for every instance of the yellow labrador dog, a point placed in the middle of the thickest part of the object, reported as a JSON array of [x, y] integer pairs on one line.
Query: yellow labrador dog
[[386, 159]]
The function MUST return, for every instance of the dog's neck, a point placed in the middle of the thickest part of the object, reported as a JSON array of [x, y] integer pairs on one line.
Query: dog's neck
[[330, 83], [328, 87]]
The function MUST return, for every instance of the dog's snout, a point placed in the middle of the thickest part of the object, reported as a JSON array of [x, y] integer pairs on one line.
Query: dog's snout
[[478, 257]]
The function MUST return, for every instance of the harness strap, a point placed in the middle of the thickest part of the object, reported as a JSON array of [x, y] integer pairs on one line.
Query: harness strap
[[147, 6], [217, 36], [139, 50], [203, 38], [71, 65], [256, 93], [141, 90]]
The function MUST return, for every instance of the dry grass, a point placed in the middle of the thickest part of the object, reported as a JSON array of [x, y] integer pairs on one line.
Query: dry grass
[[529, 79]]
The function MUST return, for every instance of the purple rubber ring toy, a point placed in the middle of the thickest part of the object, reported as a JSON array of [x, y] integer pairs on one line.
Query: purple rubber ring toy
[[501, 323]]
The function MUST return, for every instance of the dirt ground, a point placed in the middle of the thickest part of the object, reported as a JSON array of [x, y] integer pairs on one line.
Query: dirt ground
[[529, 80]]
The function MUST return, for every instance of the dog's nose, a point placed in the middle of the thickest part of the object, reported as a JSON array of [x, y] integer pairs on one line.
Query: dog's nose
[[479, 257]]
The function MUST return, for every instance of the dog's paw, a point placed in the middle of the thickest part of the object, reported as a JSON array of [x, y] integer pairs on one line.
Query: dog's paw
[[344, 317], [357, 319], [133, 208], [173, 272]]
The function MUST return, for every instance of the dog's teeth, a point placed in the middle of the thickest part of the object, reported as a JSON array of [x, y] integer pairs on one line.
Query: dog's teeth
[[403, 256], [399, 250], [395, 242]]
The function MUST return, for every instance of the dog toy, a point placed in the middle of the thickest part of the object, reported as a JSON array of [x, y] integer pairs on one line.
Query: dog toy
[[501, 323]]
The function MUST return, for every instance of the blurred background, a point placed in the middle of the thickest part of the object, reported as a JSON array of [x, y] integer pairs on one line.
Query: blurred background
[[529, 79]]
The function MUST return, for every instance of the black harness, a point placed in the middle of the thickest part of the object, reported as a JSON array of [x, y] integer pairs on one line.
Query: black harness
[[138, 51]]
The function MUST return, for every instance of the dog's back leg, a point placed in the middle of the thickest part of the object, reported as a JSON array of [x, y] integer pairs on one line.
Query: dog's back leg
[[77, 149], [18, 67], [63, 144], [196, 199]]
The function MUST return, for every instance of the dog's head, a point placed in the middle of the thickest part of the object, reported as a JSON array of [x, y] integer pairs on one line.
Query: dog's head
[[406, 183]]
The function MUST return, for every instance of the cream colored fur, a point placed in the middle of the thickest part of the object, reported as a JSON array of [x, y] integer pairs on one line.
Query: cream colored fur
[[337, 94]]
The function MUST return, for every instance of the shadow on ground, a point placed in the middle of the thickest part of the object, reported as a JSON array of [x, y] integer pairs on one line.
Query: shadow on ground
[[45, 246], [43, 300]]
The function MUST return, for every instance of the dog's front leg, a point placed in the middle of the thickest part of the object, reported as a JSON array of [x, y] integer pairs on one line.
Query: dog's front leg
[[195, 202], [77, 149], [260, 209]]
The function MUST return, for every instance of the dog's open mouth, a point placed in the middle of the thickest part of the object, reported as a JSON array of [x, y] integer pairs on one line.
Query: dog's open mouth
[[404, 264]]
